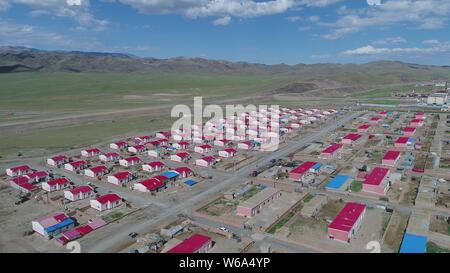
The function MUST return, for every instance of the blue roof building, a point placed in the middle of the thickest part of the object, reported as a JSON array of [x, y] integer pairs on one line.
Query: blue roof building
[[413, 243], [337, 182]]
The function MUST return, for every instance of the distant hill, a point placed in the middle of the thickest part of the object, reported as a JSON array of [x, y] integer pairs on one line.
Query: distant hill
[[21, 59]]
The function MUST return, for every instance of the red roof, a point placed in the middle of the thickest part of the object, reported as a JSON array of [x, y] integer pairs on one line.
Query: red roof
[[152, 184], [353, 137], [133, 158], [391, 155], [122, 175], [304, 167], [84, 229], [58, 181], [94, 150], [209, 158], [410, 129], [375, 118], [98, 169], [332, 148], [37, 174], [20, 168], [376, 176], [191, 244], [183, 143], [206, 146], [79, 189], [139, 147], [364, 126], [78, 163], [111, 197], [348, 216], [23, 182], [183, 154], [121, 143], [161, 178], [112, 154], [59, 158], [183, 170], [402, 140], [156, 164], [230, 150], [416, 120]]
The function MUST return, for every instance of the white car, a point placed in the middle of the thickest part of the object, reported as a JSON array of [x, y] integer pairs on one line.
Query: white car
[[224, 229]]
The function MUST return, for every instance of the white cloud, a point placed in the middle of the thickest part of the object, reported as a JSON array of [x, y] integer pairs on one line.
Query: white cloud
[[398, 51], [75, 9], [222, 21], [391, 40], [422, 14], [314, 19]]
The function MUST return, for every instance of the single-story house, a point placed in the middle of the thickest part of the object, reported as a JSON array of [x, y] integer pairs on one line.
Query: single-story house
[[149, 185], [390, 158], [347, 222], [56, 184], [106, 202], [97, 171], [120, 178], [76, 166], [37, 177], [19, 171], [79, 193], [206, 161], [202, 149], [57, 161], [91, 152], [130, 161], [119, 145], [110, 157], [229, 152], [155, 166], [184, 172], [351, 138], [137, 149], [180, 157], [53, 225]]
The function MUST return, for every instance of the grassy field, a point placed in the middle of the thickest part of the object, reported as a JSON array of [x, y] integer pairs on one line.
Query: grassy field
[[53, 140], [55, 92], [387, 92]]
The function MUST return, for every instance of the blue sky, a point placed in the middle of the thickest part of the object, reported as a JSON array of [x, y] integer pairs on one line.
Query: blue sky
[[262, 31]]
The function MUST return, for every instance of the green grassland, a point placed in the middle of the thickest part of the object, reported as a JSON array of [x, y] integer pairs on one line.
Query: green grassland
[[59, 91]]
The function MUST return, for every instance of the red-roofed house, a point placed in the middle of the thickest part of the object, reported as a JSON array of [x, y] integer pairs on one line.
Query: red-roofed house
[[57, 161], [202, 149], [374, 120], [154, 166], [21, 183], [377, 181], [182, 145], [79, 193], [420, 115], [196, 243], [331, 151], [363, 128], [106, 202], [229, 152], [221, 142], [120, 178], [346, 223], [138, 149], [142, 139], [91, 152], [401, 142], [184, 172], [149, 185], [205, 161], [19, 170], [390, 158], [180, 157], [166, 134], [76, 166], [409, 131], [56, 184], [351, 138], [110, 157], [298, 172], [97, 171], [118, 145], [246, 145], [37, 177], [383, 113], [130, 161], [416, 122]]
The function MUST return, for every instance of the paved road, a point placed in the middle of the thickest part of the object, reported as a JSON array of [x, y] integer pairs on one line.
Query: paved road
[[111, 243]]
